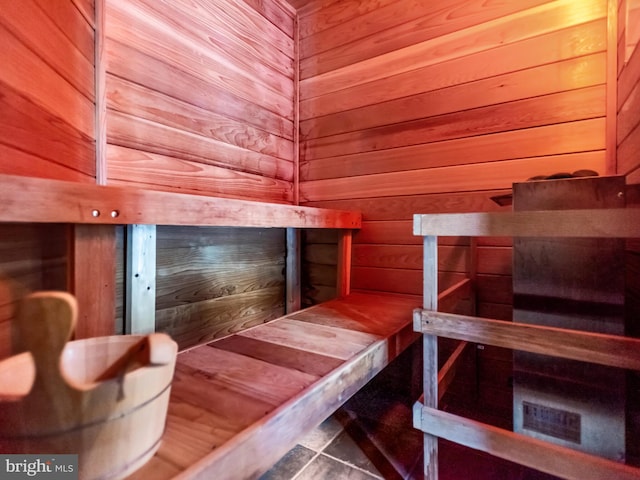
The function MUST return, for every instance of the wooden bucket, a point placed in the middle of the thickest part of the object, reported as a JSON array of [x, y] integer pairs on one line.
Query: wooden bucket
[[102, 398]]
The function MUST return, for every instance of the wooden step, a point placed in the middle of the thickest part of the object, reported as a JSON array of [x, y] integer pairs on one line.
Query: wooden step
[[238, 404]]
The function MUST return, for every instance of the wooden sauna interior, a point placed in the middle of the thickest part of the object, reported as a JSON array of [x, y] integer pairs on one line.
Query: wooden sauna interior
[[386, 107]]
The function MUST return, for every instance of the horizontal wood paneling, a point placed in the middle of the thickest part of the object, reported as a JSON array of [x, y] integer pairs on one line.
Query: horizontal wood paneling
[[211, 282], [440, 107], [47, 90], [397, 25], [201, 94], [46, 131], [476, 177], [628, 139], [32, 257], [525, 32], [561, 107]]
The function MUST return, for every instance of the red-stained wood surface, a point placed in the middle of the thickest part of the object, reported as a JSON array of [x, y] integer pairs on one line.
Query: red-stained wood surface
[[239, 403]]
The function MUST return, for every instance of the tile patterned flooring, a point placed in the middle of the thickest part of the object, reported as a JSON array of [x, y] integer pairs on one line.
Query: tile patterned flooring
[[346, 446], [371, 437]]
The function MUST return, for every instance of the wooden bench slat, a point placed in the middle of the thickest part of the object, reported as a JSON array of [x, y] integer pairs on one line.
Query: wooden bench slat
[[246, 375], [308, 362], [331, 341], [233, 410]]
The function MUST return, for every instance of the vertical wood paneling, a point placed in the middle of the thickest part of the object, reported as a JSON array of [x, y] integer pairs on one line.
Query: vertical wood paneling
[[196, 89]]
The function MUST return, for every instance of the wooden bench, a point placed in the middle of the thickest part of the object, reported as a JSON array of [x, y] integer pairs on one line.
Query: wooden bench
[[241, 402]]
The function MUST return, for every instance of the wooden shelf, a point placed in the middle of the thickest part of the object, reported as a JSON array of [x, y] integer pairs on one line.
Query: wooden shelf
[[27, 199], [238, 404]]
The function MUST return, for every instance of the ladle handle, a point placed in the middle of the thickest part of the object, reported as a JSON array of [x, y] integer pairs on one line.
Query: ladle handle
[[45, 322]]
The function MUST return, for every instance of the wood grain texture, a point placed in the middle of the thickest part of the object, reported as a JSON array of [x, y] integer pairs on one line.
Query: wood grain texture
[[39, 200], [561, 138], [399, 25], [201, 90], [135, 133], [92, 278], [131, 168], [519, 114], [438, 108], [603, 349], [534, 453], [483, 176], [515, 30], [585, 223], [570, 74], [201, 322], [32, 258], [47, 47], [628, 138], [212, 282], [134, 100], [238, 404]]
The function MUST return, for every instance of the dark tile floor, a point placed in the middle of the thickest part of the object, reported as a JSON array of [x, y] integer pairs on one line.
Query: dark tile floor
[[371, 437]]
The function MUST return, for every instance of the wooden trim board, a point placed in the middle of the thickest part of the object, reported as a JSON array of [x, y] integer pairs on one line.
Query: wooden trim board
[[547, 457], [26, 199], [602, 223]]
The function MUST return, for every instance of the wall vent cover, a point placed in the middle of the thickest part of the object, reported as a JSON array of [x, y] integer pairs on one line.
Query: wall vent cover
[[551, 421]]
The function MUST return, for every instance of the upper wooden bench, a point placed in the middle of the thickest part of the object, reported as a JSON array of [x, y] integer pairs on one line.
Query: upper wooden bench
[[241, 402]]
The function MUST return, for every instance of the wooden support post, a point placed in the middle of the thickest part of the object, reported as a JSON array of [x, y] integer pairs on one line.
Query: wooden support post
[[343, 283], [430, 353], [140, 280], [293, 281], [92, 278]]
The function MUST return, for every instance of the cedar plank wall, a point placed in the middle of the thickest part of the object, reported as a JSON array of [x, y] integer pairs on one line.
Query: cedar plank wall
[[212, 282], [431, 107], [46, 47], [437, 106], [628, 163], [200, 97]]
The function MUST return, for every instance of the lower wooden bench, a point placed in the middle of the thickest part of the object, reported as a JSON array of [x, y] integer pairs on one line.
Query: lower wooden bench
[[239, 403]]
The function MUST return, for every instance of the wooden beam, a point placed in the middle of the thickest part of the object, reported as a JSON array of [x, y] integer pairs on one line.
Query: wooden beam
[[140, 291], [430, 352], [293, 275], [448, 371], [24, 199], [452, 295], [101, 93], [538, 454], [606, 223], [611, 350], [92, 274], [343, 282]]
